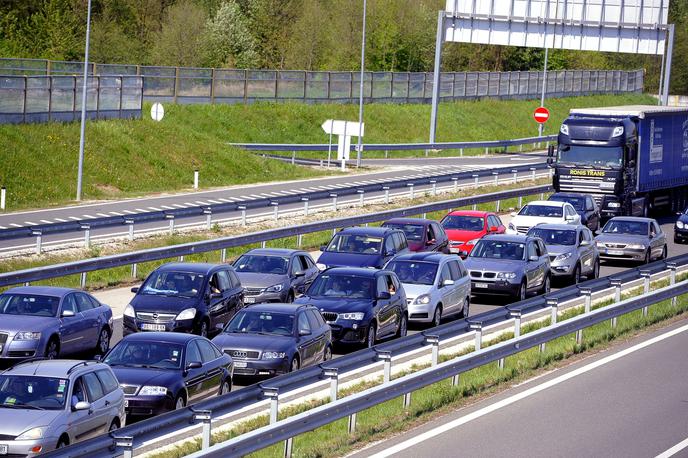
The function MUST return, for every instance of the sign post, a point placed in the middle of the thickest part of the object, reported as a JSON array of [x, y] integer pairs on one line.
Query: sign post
[[344, 131]]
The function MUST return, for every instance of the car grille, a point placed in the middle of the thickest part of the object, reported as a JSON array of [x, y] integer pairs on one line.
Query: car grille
[[3, 338], [615, 245], [522, 229], [329, 316], [252, 291], [242, 354], [479, 274], [156, 317], [129, 390], [244, 371]]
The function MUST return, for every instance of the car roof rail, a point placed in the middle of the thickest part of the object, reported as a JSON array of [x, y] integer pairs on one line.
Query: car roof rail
[[80, 363], [26, 361]]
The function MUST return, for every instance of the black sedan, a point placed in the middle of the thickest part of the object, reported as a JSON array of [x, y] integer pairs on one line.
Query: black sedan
[[585, 206], [159, 371], [271, 339], [681, 227]]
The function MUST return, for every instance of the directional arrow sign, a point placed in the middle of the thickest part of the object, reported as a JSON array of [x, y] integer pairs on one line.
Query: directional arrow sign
[[351, 129]]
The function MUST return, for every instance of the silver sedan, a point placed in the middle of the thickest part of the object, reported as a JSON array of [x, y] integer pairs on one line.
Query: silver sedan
[[572, 251], [633, 239]]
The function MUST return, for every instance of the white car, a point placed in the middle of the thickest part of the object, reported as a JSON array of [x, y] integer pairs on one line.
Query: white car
[[540, 212]]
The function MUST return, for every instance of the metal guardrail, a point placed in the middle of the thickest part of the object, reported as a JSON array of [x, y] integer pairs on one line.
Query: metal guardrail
[[155, 254], [209, 210], [114, 444]]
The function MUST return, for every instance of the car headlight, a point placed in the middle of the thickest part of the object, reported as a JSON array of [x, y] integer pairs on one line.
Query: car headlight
[[422, 299], [599, 244], [355, 316], [614, 205], [153, 391], [273, 355], [321, 266], [680, 224], [507, 275], [129, 311], [618, 131], [33, 434], [635, 246], [187, 314], [472, 242], [564, 129], [27, 335], [563, 257], [274, 288]]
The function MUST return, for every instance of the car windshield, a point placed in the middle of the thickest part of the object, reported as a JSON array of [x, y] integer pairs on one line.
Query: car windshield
[[547, 211], [256, 263], [577, 202], [590, 156], [414, 232], [184, 284], [554, 236], [355, 243], [416, 273], [626, 227], [349, 286], [498, 249], [145, 353], [28, 304], [463, 223], [256, 322], [33, 392]]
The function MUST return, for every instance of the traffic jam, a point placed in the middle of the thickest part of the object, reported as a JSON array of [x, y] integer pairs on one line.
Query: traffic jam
[[193, 330]]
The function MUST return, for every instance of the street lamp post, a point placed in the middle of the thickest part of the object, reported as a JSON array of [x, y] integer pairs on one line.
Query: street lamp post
[[360, 95], [83, 107]]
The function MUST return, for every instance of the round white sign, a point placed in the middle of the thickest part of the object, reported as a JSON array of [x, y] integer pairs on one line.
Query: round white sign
[[157, 111]]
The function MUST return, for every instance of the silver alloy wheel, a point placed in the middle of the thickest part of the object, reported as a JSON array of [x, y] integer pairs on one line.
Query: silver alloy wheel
[[113, 427], [371, 335], [225, 388], [403, 326], [437, 317], [546, 288], [466, 306], [328, 353], [576, 274], [180, 403], [596, 269], [203, 331], [523, 291], [51, 351], [104, 341], [294, 364]]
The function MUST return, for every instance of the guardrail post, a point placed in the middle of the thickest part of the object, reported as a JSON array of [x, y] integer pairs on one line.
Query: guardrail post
[[410, 186], [487, 150], [127, 444], [496, 177], [475, 180], [195, 179], [553, 303], [243, 214], [263, 244], [223, 255], [181, 258], [516, 315], [587, 293], [386, 358], [672, 279], [361, 193], [305, 205], [386, 154], [499, 204], [352, 423], [520, 201], [456, 183], [455, 380], [407, 400], [293, 158], [646, 285], [130, 223], [205, 417], [134, 270], [3, 194], [82, 281], [434, 340], [617, 296], [299, 240], [434, 187], [386, 189], [39, 241], [288, 447], [334, 201], [515, 172], [171, 220], [275, 210], [460, 152], [478, 328], [272, 394], [208, 212], [532, 173], [87, 234], [542, 196], [333, 374]]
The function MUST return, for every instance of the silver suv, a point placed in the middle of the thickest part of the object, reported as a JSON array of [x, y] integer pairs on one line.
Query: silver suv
[[48, 404]]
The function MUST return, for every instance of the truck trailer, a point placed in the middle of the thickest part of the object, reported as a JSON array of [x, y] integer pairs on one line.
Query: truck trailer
[[632, 159]]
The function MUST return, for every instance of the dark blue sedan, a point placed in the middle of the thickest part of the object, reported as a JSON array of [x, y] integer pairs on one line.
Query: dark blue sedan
[[42, 321], [163, 371], [270, 339], [681, 227]]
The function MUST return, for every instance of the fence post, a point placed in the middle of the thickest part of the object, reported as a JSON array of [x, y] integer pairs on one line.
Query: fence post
[[130, 223], [170, 217], [532, 173], [205, 417], [243, 214], [434, 187], [434, 340], [646, 285], [386, 358], [3, 193], [275, 210], [208, 212], [496, 178], [617, 296], [82, 281], [305, 205], [39, 240], [475, 179], [515, 172], [361, 193], [333, 374], [134, 270], [456, 183], [334, 201], [587, 293], [127, 444], [410, 186], [386, 189], [272, 394], [672, 279], [196, 179], [553, 303], [87, 234], [478, 328]]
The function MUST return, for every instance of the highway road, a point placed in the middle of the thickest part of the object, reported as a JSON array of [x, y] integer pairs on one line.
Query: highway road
[[628, 401], [403, 169]]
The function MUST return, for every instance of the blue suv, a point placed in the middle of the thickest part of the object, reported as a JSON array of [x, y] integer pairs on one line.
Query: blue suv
[[360, 305], [363, 247]]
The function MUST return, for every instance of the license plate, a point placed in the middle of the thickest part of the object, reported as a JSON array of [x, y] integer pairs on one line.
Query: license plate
[[4, 449], [249, 300], [240, 364], [152, 327], [481, 285], [615, 252]]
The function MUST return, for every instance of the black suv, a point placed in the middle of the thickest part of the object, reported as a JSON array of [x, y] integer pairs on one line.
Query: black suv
[[585, 206], [185, 297]]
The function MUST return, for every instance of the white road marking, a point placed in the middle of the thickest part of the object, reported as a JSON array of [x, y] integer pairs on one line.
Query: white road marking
[[114, 213], [3, 227], [179, 205], [154, 209], [46, 221], [103, 215], [391, 451], [75, 218], [29, 223], [222, 199], [167, 207], [16, 225], [674, 450], [189, 204], [129, 212]]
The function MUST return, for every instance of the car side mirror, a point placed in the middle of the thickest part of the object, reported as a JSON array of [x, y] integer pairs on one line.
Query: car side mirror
[[652, 236], [304, 332], [135, 289], [533, 258], [447, 282], [220, 326], [323, 248], [300, 273], [68, 313], [463, 254], [384, 295], [81, 405], [584, 243], [194, 365], [215, 295], [388, 253], [512, 214], [631, 164]]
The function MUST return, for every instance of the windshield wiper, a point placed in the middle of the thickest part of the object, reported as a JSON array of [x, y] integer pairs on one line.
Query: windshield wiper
[[21, 406]]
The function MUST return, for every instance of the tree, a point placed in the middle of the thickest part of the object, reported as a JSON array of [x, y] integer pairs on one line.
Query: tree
[[227, 41], [179, 38]]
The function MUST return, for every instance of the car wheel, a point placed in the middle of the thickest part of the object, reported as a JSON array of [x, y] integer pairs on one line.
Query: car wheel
[[225, 388], [403, 326], [290, 297], [328, 353], [522, 291], [466, 306], [179, 402], [203, 328], [63, 442], [576, 276], [547, 285], [295, 364], [596, 269], [664, 253], [371, 338], [437, 316], [103, 344], [52, 350], [114, 426]]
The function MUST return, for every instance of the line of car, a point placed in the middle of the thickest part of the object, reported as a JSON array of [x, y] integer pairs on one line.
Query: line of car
[[273, 311]]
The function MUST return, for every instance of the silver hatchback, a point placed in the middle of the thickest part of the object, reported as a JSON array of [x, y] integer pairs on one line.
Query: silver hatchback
[[48, 404]]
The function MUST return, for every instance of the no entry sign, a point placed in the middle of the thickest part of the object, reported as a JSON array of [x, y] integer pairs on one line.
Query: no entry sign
[[541, 115]]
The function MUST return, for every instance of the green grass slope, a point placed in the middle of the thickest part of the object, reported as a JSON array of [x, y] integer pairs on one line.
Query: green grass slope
[[38, 163]]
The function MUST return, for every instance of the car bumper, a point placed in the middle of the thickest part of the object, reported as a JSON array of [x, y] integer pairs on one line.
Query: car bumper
[[26, 448], [349, 332], [263, 297], [131, 325], [562, 269], [494, 288], [16, 350], [147, 406], [623, 254], [420, 313], [681, 234], [260, 367]]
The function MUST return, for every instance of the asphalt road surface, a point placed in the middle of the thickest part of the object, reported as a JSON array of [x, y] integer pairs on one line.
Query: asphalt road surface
[[629, 401]]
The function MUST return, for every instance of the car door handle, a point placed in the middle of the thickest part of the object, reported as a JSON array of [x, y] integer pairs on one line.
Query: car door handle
[[107, 403]]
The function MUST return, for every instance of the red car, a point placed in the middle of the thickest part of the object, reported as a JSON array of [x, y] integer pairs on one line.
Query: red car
[[465, 227]]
